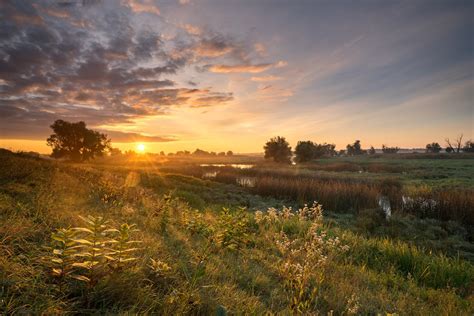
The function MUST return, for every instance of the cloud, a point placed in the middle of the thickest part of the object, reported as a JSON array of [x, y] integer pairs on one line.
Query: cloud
[[125, 137], [239, 68], [214, 47], [106, 70], [146, 6], [265, 78], [212, 100], [260, 49], [281, 64], [192, 29]]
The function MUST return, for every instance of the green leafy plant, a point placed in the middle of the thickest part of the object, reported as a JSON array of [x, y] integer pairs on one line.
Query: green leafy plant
[[92, 252], [232, 229], [123, 247], [194, 223]]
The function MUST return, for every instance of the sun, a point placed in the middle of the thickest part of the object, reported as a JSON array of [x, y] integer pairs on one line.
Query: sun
[[141, 148]]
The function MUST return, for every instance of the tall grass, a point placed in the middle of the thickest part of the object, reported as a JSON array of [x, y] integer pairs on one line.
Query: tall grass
[[334, 195], [441, 204]]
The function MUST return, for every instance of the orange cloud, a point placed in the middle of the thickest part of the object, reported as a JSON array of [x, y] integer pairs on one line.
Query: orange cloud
[[212, 49], [260, 49], [192, 29], [265, 78], [146, 7], [239, 68]]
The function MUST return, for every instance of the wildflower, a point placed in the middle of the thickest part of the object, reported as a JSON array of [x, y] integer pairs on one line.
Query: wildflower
[[314, 212], [353, 305], [159, 267], [259, 217]]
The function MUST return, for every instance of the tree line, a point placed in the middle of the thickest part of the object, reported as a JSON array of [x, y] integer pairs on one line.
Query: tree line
[[279, 150], [76, 142]]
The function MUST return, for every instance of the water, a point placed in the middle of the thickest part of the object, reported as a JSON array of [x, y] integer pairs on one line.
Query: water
[[209, 175], [384, 204], [246, 182], [421, 203], [235, 165]]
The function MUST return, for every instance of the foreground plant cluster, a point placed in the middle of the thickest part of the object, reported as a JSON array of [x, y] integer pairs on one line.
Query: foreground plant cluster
[[83, 239]]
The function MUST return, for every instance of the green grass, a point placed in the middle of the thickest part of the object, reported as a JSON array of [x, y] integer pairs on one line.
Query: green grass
[[219, 261]]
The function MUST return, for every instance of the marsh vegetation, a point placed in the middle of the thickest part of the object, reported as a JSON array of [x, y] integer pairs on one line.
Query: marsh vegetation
[[154, 237]]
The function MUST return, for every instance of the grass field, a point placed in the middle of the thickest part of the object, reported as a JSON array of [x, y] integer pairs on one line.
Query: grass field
[[207, 247]]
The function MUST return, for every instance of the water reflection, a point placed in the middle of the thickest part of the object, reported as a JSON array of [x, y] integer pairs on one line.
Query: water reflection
[[209, 175], [246, 182], [235, 165]]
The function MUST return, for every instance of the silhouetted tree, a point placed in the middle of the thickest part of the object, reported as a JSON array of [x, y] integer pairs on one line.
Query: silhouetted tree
[[390, 150], [457, 145], [355, 149], [222, 153], [230, 153], [304, 151], [278, 149], [468, 147], [307, 150], [76, 142], [115, 151], [433, 148], [325, 149], [200, 152], [371, 150]]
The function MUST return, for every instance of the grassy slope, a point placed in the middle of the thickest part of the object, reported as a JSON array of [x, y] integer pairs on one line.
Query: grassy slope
[[36, 197]]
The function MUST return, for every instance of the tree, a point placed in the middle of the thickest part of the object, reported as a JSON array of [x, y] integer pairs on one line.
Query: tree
[[230, 153], [457, 145], [200, 152], [468, 147], [325, 150], [278, 149], [433, 148], [305, 151], [115, 151], [390, 150], [355, 149], [371, 150], [76, 142]]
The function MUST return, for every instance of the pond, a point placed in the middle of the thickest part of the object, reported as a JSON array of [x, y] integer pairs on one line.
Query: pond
[[235, 165]]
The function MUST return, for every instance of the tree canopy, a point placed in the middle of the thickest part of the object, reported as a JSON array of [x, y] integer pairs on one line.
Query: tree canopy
[[433, 148], [355, 149], [76, 142], [278, 149], [390, 150], [307, 150]]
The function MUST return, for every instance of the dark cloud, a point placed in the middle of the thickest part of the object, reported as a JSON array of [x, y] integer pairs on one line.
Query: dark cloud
[[100, 64]]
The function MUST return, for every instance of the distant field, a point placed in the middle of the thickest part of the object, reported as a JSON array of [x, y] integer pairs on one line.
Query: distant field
[[434, 172], [210, 246]]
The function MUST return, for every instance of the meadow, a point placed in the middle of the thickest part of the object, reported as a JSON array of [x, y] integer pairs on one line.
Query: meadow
[[152, 236]]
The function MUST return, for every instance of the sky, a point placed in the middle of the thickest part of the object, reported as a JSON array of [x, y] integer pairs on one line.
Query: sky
[[230, 74]]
